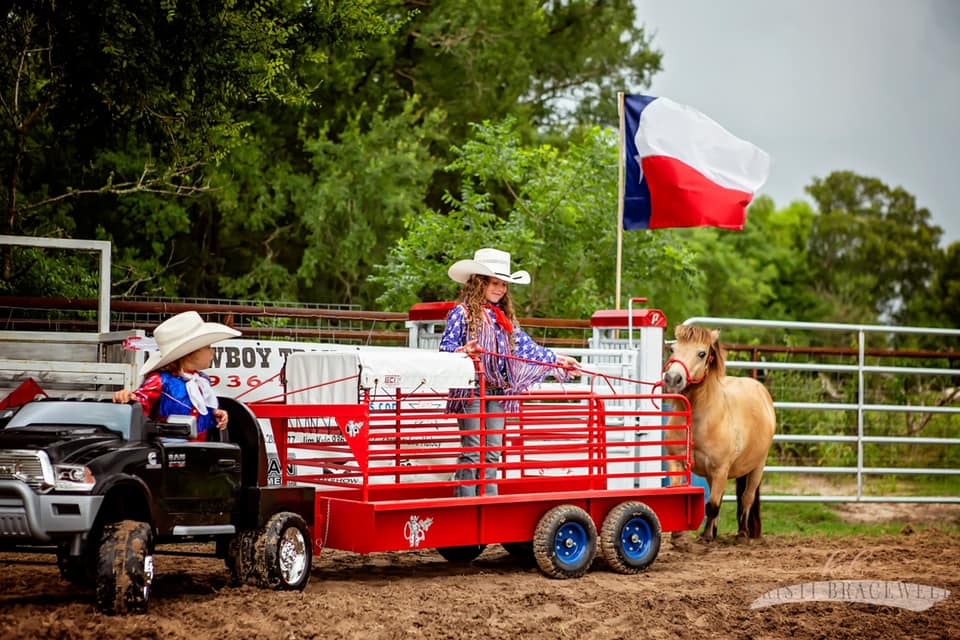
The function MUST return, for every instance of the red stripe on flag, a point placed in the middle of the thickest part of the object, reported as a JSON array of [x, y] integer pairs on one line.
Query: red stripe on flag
[[680, 196]]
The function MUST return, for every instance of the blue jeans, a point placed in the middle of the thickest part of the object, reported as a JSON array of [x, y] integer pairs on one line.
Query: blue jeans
[[470, 460]]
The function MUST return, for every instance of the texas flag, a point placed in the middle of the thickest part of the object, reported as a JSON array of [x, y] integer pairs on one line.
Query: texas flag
[[685, 170]]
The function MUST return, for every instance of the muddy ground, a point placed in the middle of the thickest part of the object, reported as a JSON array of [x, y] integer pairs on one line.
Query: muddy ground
[[703, 592]]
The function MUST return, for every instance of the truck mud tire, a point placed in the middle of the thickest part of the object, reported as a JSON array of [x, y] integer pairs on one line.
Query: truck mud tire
[[284, 553], [125, 568], [565, 542], [241, 557]]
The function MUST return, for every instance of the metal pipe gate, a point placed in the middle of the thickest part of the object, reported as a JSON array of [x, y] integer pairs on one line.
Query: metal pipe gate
[[866, 413]]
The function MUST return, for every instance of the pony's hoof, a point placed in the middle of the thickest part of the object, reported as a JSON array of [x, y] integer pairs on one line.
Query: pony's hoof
[[742, 538]]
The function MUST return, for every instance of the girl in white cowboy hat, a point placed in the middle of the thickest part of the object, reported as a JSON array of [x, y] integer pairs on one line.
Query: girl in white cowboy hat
[[175, 383], [484, 323]]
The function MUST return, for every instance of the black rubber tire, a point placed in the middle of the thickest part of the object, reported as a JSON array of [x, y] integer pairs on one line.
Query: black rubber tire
[[241, 557], [630, 537], [125, 568], [284, 553], [565, 542], [521, 552], [461, 555]]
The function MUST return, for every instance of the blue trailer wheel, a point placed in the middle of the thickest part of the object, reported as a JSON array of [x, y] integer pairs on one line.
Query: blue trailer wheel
[[565, 542], [630, 537]]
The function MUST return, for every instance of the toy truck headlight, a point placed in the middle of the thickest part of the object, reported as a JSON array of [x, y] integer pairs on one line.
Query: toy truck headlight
[[73, 477]]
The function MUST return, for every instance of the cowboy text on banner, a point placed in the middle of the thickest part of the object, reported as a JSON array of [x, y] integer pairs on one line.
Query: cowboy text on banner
[[685, 170]]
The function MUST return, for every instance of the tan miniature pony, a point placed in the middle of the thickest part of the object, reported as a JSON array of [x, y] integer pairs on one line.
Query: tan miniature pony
[[733, 424]]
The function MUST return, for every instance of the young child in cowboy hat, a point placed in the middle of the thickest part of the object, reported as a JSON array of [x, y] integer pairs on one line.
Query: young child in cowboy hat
[[174, 382], [484, 324]]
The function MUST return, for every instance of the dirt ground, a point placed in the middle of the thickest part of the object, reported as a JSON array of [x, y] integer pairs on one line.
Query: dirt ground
[[702, 592]]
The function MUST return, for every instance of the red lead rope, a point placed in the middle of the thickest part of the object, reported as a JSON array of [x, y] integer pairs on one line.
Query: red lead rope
[[596, 374]]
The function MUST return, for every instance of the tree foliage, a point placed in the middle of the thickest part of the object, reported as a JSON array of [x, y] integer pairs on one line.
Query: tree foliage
[[349, 151], [390, 117], [871, 250], [297, 136], [760, 272], [114, 114], [554, 210], [939, 305]]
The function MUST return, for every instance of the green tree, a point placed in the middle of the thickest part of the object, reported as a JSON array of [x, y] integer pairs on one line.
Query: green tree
[[313, 232], [370, 155], [872, 251], [760, 272], [113, 114], [946, 289], [939, 306], [558, 220], [547, 64], [274, 148]]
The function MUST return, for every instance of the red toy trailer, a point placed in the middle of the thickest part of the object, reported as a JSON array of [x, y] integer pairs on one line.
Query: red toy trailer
[[577, 472]]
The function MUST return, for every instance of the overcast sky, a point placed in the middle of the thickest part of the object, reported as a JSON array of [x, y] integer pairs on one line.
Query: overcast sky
[[871, 86]]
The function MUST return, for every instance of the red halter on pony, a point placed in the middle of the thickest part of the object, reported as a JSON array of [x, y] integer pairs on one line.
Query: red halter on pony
[[686, 371]]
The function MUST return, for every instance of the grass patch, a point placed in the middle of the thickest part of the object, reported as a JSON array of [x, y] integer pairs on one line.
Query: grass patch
[[913, 485], [807, 518], [846, 484], [824, 518]]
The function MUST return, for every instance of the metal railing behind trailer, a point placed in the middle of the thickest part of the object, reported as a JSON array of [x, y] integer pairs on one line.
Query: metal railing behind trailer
[[76, 364], [861, 406]]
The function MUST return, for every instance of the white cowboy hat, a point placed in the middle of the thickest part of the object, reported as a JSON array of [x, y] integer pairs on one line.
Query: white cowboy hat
[[183, 334], [487, 262]]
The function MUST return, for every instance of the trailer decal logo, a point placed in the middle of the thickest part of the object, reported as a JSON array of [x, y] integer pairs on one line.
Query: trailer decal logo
[[353, 428], [415, 530]]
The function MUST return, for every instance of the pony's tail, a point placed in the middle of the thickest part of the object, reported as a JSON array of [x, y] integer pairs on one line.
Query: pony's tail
[[754, 522]]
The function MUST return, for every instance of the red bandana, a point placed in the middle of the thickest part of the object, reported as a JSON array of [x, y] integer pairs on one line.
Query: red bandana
[[501, 317]]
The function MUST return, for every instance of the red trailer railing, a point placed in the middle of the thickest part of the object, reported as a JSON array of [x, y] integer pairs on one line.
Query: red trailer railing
[[384, 468]]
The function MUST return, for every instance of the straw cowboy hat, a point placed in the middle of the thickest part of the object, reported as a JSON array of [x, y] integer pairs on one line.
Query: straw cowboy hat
[[487, 262], [183, 334]]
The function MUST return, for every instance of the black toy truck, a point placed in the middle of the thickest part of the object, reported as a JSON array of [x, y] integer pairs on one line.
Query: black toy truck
[[102, 485]]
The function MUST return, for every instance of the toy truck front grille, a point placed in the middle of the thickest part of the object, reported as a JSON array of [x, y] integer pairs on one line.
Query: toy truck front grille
[[26, 466]]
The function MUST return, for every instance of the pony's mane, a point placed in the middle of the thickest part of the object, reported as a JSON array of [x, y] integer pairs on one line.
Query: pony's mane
[[702, 335]]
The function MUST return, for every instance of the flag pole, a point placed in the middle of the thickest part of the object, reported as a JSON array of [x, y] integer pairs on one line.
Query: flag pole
[[620, 179]]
